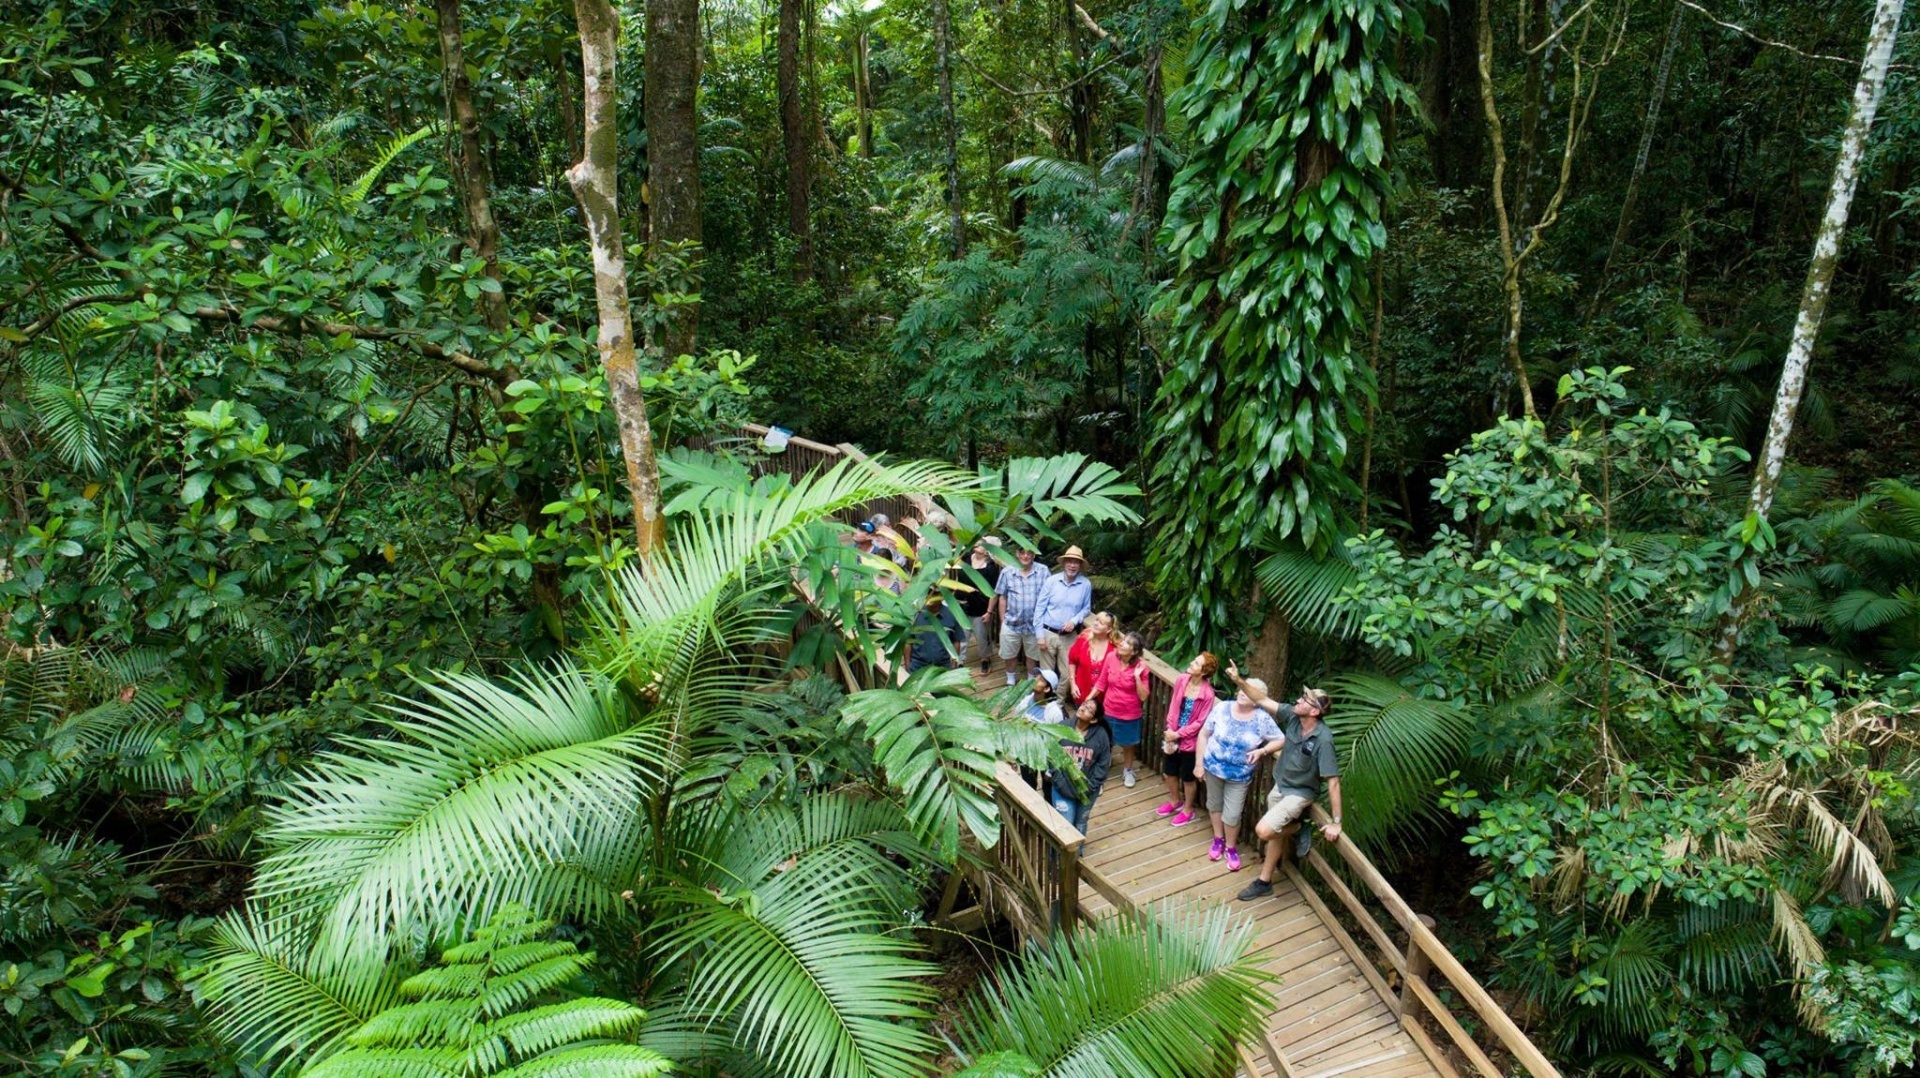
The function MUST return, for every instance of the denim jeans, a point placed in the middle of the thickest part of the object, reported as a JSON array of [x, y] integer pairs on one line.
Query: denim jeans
[[1076, 813]]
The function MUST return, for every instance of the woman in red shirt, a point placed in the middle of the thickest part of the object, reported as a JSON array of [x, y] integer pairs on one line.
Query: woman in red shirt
[[1121, 688], [1087, 653]]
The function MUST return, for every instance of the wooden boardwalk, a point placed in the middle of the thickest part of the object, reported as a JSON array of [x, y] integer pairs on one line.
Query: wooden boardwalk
[[1334, 1016]]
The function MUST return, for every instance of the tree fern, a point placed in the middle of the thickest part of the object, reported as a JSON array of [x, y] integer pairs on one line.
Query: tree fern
[[1306, 587], [479, 1013]]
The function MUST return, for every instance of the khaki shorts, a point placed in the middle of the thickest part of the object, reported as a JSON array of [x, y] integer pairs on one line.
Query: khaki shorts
[[1014, 643], [1283, 809], [1226, 799]]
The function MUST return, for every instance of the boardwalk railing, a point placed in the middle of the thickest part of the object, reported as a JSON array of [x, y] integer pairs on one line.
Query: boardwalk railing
[[802, 456], [1036, 836], [1039, 854]]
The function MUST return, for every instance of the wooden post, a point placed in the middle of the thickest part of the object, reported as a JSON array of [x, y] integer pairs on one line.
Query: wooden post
[[1069, 887], [1417, 966]]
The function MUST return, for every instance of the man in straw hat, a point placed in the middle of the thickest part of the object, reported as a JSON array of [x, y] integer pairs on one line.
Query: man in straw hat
[[1065, 603], [1306, 762]]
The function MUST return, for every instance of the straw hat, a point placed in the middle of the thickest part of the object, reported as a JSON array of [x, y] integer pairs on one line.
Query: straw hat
[[1073, 553]]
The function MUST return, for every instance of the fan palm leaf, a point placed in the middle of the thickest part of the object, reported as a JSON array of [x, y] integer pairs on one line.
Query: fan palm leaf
[[1394, 747], [1305, 588], [489, 795], [940, 750], [1166, 993], [265, 993]]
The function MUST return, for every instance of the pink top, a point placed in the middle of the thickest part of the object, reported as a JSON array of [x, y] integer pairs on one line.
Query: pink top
[[1188, 735], [1119, 687]]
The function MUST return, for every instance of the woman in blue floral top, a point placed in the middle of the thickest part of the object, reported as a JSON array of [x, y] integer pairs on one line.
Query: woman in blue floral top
[[1233, 733]]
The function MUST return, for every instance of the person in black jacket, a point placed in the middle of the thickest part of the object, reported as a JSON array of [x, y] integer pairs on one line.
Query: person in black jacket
[[936, 633], [1094, 753]]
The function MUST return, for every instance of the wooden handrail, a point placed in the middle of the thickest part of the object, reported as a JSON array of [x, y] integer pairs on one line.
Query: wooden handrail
[[1424, 943]]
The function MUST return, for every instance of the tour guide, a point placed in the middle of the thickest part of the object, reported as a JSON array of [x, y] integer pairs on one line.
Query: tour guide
[[1306, 760]]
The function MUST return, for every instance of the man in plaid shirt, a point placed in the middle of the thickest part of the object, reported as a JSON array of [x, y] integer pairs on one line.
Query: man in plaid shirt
[[1017, 597]]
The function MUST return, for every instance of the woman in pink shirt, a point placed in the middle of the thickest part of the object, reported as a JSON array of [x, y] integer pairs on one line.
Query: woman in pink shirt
[[1121, 687], [1187, 712]]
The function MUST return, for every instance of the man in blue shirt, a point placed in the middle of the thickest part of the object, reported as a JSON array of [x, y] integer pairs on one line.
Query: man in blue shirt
[[1065, 602], [1016, 599]]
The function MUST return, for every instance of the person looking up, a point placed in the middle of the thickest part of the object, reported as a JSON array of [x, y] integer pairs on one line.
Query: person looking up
[[1306, 762], [1089, 650], [1094, 755], [1228, 747], [1121, 690], [1017, 597], [1193, 700], [1065, 603]]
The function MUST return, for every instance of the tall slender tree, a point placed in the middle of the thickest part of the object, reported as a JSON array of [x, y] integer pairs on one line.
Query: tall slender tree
[[671, 106], [949, 128], [596, 185], [796, 137], [1867, 92], [483, 235], [1271, 233]]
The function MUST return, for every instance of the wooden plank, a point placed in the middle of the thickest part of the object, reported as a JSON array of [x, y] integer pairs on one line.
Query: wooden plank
[[1441, 1065], [1501, 1023], [1360, 913], [1366, 1026], [1346, 942], [1317, 1017], [1370, 1063], [1015, 790]]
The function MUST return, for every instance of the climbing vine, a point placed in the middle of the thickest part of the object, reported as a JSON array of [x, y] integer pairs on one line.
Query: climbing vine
[[1271, 222]]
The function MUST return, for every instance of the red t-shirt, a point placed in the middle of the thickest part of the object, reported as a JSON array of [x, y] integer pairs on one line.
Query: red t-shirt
[[1081, 662]]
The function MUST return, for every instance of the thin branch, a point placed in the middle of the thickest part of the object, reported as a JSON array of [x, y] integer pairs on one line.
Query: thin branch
[[1054, 92], [1751, 36], [1547, 42]]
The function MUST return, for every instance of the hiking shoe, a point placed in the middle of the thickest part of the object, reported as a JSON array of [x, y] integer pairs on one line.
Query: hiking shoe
[[1302, 843], [1167, 809], [1214, 851], [1257, 889], [1233, 858], [1127, 777], [1182, 818]]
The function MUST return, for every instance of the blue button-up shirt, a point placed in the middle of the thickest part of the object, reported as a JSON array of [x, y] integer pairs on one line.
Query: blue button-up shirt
[[1020, 595], [1063, 602]]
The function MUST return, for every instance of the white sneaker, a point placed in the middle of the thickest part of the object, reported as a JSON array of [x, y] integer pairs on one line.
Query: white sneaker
[[1128, 778]]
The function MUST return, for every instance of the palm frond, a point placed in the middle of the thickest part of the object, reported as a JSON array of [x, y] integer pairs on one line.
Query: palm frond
[[941, 750], [1394, 747], [1166, 993], [267, 995], [491, 795], [358, 191], [1304, 587]]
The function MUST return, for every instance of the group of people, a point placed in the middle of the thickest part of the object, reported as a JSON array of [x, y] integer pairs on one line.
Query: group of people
[[1085, 671], [1085, 667]]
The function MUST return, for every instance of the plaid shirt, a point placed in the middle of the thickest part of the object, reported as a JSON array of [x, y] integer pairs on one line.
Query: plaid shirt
[[1021, 594]]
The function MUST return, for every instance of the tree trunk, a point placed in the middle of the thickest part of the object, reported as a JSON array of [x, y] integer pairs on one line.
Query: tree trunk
[[1813, 298], [796, 133], [949, 127], [1153, 118], [862, 95], [673, 144], [1080, 91], [596, 184], [1271, 653], [1654, 101], [483, 235], [1510, 268]]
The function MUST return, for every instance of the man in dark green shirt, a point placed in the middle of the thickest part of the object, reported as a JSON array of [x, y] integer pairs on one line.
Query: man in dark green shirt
[[1307, 762]]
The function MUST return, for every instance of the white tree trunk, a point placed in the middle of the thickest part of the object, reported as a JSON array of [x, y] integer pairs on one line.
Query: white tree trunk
[[595, 181], [1813, 300]]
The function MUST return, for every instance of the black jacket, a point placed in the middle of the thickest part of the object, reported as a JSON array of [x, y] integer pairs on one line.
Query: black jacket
[[1095, 755]]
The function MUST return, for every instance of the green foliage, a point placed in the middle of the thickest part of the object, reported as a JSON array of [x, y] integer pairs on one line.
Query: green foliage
[[478, 1011], [1272, 222], [1166, 993]]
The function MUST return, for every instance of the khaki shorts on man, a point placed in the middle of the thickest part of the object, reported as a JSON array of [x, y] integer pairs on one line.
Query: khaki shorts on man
[[1283, 809], [1014, 643]]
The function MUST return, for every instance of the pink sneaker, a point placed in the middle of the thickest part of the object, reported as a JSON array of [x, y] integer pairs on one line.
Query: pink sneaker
[[1219, 847], [1167, 809], [1183, 818], [1233, 858]]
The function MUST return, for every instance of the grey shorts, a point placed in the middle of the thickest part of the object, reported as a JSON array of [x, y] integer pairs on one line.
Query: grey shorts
[[1014, 643], [1226, 799]]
